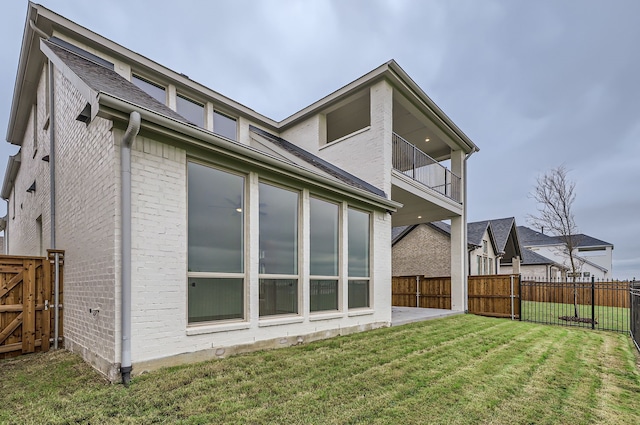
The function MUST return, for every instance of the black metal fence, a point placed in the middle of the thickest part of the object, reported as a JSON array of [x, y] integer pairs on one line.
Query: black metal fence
[[586, 303], [635, 313]]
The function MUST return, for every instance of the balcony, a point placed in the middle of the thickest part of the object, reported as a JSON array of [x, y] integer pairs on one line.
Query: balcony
[[412, 162]]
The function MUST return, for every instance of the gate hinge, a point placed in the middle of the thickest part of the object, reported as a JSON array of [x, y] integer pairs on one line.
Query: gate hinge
[[46, 305]]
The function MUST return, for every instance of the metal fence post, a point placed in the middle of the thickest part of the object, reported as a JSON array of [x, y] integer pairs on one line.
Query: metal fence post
[[512, 302], [418, 291], [520, 296], [593, 303]]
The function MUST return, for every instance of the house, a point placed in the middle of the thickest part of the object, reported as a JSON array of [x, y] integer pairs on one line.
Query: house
[[535, 266], [594, 256], [195, 227], [422, 249]]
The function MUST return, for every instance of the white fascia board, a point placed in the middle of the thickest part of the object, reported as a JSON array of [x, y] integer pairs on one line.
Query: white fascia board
[[196, 136], [13, 166]]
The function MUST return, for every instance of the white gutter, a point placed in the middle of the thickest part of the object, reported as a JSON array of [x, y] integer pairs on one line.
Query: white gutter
[[125, 165]]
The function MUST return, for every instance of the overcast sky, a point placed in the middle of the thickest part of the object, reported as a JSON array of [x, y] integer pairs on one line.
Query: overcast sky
[[535, 84]]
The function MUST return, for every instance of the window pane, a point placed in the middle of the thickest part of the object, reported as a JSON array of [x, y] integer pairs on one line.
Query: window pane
[[224, 126], [215, 299], [323, 238], [151, 89], [323, 294], [193, 112], [278, 230], [216, 205], [278, 296], [358, 243], [358, 293]]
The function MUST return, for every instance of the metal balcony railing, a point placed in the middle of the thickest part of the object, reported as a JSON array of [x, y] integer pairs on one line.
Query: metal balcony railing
[[414, 163]]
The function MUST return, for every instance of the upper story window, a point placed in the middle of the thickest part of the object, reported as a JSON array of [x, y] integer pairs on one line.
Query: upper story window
[[349, 118], [224, 125], [152, 89], [485, 247], [192, 111]]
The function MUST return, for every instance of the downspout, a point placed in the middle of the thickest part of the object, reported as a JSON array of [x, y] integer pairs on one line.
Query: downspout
[[125, 204], [464, 230], [52, 189]]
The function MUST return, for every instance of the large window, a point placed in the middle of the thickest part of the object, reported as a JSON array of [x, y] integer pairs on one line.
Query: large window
[[224, 125], [323, 255], [154, 90], [216, 244], [192, 111], [359, 258], [278, 256]]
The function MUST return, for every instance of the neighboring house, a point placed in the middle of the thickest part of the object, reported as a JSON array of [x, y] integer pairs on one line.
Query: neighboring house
[[594, 257], [194, 227], [533, 265], [422, 249]]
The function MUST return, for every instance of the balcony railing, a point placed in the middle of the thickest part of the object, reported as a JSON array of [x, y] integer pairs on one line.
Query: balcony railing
[[414, 163]]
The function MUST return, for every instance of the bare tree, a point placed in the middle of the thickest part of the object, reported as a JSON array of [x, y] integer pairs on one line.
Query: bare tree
[[555, 194]]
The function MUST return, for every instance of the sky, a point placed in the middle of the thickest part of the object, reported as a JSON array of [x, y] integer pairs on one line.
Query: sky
[[535, 84]]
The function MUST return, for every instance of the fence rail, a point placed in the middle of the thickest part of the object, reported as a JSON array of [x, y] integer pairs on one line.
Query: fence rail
[[602, 305]]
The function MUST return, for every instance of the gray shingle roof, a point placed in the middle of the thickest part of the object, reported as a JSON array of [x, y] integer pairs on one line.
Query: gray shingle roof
[[475, 232], [318, 162], [105, 80], [530, 237]]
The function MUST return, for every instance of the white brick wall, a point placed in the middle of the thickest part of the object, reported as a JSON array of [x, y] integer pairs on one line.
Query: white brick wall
[[25, 208], [160, 268]]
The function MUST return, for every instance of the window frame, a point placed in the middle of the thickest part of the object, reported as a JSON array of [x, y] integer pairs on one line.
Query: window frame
[[244, 275], [299, 253], [348, 277], [338, 277]]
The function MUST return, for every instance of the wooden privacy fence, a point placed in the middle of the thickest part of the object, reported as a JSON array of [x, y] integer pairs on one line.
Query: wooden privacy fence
[[604, 293], [26, 303], [421, 291], [494, 295]]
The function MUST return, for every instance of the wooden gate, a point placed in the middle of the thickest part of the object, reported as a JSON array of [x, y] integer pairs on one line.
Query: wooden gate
[[26, 303], [494, 295]]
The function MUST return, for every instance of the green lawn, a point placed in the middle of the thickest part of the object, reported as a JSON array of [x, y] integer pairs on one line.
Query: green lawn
[[607, 318], [458, 370]]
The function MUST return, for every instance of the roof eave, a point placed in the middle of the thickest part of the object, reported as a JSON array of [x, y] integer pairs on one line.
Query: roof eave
[[205, 139], [23, 92], [13, 165]]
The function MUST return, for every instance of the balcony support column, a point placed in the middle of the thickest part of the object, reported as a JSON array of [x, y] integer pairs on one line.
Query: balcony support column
[[459, 253]]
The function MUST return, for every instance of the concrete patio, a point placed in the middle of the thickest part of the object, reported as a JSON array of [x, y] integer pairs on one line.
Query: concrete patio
[[404, 315]]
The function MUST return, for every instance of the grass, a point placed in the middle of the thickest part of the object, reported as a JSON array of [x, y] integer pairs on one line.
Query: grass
[[458, 370], [607, 318]]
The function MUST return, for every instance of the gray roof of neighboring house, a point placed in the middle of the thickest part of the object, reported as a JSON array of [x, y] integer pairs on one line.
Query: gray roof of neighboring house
[[530, 237], [499, 230], [475, 232], [105, 80], [533, 258], [317, 162]]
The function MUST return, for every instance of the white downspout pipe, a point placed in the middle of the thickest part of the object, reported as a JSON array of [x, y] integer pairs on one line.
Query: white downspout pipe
[[52, 198], [125, 202]]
